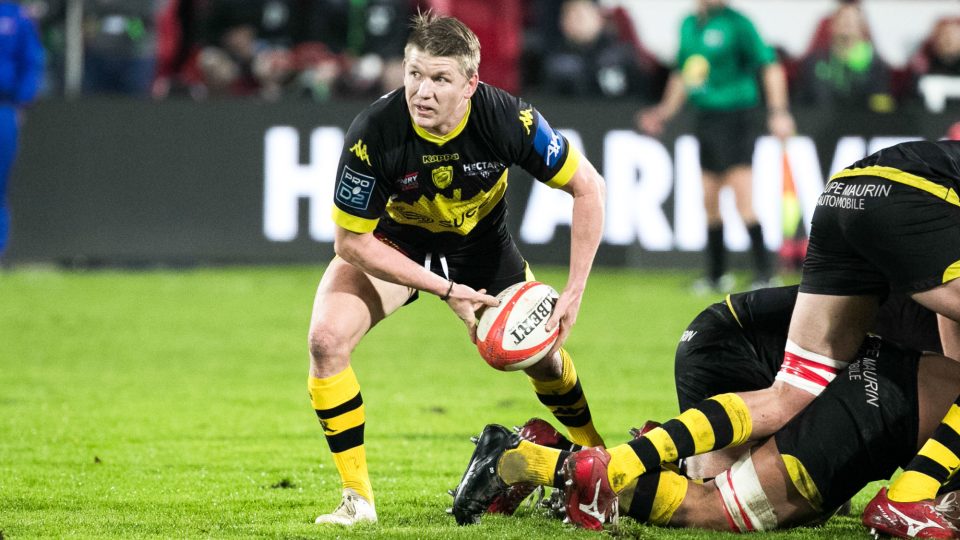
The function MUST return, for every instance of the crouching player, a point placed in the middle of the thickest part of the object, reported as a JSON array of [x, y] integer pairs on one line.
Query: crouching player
[[798, 476]]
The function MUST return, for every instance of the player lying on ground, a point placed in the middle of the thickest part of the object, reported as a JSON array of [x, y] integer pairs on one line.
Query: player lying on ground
[[890, 221], [877, 397]]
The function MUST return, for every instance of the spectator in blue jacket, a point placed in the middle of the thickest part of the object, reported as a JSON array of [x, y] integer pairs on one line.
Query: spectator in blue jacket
[[21, 70]]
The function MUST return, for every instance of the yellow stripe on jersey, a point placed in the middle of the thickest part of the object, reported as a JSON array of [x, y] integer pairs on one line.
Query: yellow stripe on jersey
[[566, 172], [896, 175], [697, 422], [440, 140], [803, 481], [733, 311], [444, 214], [952, 272], [353, 223]]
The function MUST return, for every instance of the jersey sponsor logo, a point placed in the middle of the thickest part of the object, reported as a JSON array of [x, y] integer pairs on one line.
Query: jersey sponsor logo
[[440, 158], [440, 213], [408, 182], [547, 142], [442, 176], [526, 117], [354, 189], [851, 196], [688, 335], [413, 217], [359, 149], [483, 168]]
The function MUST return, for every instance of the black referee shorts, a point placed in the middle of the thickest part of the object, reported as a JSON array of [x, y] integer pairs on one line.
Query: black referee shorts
[[727, 138], [870, 235]]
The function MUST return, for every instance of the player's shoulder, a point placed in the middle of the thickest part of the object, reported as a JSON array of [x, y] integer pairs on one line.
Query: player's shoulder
[[491, 101], [385, 118]]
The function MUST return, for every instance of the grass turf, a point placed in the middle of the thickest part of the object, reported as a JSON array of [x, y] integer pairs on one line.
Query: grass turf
[[164, 404]]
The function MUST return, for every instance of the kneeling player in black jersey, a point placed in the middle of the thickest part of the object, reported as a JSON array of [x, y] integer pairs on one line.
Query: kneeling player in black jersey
[[800, 475]]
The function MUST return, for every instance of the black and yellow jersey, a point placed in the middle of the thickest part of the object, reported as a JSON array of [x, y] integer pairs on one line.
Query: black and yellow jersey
[[933, 167], [438, 193]]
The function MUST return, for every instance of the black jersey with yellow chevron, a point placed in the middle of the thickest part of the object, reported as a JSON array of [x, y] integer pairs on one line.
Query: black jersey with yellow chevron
[[933, 167], [439, 192]]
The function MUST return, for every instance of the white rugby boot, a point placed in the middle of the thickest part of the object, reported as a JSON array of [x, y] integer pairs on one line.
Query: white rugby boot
[[353, 509]]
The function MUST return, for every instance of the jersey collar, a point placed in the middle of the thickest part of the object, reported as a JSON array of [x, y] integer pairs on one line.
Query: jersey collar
[[440, 140]]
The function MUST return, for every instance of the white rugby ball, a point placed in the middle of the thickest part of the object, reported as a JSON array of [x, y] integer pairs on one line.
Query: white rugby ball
[[511, 336]]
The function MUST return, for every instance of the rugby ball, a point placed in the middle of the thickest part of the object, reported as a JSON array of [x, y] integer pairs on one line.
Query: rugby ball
[[511, 336]]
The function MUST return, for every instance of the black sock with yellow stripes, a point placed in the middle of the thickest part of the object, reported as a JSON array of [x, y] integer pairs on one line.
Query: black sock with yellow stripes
[[714, 423], [933, 465], [565, 399], [339, 407], [654, 496]]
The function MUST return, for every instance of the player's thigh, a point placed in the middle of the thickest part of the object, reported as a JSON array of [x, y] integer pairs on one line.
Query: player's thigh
[[832, 325], [938, 385], [943, 299], [349, 302]]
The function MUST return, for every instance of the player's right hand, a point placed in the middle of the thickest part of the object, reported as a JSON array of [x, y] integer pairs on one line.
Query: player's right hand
[[465, 302]]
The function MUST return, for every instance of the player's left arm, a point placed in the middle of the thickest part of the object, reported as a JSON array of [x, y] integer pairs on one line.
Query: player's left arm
[[589, 193]]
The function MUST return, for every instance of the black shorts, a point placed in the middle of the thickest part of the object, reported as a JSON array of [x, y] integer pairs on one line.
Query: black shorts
[[727, 138], [492, 262], [714, 357], [862, 427], [870, 235]]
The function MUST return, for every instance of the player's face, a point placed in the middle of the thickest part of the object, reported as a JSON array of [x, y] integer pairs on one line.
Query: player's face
[[437, 90]]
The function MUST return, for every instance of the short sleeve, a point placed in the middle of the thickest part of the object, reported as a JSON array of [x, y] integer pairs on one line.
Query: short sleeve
[[549, 156], [360, 193], [757, 50]]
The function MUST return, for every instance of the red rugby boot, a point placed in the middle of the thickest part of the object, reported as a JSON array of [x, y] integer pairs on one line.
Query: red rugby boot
[[588, 498], [905, 519]]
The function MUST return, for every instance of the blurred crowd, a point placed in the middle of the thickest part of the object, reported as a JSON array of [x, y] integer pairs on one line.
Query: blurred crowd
[[323, 49]]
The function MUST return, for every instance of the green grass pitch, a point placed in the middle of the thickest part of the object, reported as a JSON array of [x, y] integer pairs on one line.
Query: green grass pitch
[[165, 404]]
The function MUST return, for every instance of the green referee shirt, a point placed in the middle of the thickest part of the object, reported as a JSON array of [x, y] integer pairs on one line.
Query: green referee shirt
[[719, 58]]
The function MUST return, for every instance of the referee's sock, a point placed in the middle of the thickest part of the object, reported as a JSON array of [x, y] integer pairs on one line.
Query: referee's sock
[[714, 423], [933, 465], [565, 399], [716, 252], [339, 407], [761, 259]]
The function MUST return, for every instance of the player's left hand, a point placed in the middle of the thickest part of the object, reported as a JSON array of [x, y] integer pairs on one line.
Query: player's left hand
[[565, 315]]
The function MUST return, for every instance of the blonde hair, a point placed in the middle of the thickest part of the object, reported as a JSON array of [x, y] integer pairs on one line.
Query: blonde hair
[[445, 36]]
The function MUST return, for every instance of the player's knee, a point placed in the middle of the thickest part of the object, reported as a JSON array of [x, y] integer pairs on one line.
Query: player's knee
[[325, 345], [548, 368]]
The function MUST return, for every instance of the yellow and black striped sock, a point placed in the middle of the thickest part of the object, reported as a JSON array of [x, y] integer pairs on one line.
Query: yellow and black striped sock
[[714, 423], [530, 463], [339, 406], [934, 464], [564, 397], [654, 497]]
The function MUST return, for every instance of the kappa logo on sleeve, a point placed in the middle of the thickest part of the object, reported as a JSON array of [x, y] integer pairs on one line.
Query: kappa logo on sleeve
[[547, 142], [354, 189]]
